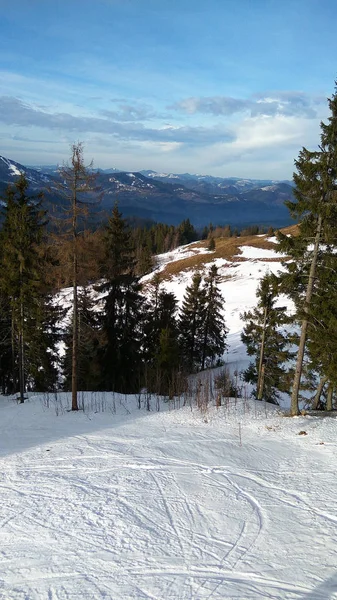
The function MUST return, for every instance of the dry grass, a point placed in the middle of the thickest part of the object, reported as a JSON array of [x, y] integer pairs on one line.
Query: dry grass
[[226, 248]]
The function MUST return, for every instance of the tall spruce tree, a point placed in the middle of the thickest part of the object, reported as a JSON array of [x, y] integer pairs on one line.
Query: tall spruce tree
[[89, 343], [190, 325], [24, 292], [6, 357], [315, 206], [122, 314], [160, 340], [213, 327], [265, 339]]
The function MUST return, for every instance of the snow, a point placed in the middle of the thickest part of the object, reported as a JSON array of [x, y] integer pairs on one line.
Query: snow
[[14, 170], [238, 285], [120, 503], [179, 253], [117, 502], [269, 188], [253, 252]]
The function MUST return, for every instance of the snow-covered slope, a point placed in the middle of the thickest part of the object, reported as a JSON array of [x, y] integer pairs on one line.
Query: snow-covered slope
[[122, 504], [240, 279]]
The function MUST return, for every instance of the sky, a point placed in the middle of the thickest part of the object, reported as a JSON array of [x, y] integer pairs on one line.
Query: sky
[[218, 87]]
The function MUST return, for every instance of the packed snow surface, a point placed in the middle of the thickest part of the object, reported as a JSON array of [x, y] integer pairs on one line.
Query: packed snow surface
[[120, 503]]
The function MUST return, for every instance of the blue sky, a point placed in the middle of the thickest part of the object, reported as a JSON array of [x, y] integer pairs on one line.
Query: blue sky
[[220, 87]]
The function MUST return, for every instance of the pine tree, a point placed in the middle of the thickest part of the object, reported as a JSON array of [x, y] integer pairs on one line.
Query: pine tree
[[190, 325], [321, 347], [160, 340], [166, 363], [211, 244], [266, 340], [6, 358], [89, 343], [122, 314], [213, 326], [316, 207], [23, 282]]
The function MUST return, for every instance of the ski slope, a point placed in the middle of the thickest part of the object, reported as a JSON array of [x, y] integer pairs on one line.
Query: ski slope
[[121, 503]]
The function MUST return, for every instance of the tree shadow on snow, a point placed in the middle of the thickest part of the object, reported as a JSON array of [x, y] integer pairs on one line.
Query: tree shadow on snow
[[327, 590], [41, 421]]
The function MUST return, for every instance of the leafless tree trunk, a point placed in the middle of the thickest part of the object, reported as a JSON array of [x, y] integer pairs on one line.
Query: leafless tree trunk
[[74, 374], [294, 409], [260, 379], [77, 180], [329, 397], [319, 391]]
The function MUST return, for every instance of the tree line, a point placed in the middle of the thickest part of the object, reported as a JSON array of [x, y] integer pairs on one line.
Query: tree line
[[133, 339], [138, 339]]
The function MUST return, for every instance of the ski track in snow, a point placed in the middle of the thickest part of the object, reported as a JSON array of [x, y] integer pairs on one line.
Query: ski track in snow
[[166, 506]]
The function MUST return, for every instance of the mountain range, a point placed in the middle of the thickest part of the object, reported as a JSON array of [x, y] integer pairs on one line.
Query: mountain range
[[170, 197]]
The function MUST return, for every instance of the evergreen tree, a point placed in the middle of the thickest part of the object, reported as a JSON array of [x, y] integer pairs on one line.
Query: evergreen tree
[[213, 326], [266, 340], [6, 357], [166, 363], [89, 341], [316, 206], [321, 347], [190, 325], [186, 233], [122, 315], [160, 340], [211, 244], [23, 283]]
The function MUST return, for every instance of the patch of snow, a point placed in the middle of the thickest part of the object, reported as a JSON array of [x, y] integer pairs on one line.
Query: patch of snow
[[250, 252], [269, 188]]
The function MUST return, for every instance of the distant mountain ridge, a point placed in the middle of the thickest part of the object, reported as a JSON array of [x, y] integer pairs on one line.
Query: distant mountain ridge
[[170, 197]]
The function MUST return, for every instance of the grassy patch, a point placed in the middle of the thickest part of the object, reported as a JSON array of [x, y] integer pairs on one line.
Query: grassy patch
[[226, 248]]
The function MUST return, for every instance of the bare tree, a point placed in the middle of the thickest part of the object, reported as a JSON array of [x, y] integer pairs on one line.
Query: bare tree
[[77, 188]]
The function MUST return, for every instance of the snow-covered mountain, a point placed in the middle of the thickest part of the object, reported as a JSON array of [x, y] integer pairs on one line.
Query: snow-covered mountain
[[216, 185], [171, 198]]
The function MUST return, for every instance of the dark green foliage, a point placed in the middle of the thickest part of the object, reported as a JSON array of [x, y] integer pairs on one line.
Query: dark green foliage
[[201, 325], [6, 358], [213, 326], [89, 342], [191, 325], [211, 244], [310, 275], [160, 341], [122, 317], [186, 233], [266, 340], [23, 287]]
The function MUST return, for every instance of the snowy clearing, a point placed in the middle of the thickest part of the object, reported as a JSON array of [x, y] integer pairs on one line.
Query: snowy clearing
[[122, 504]]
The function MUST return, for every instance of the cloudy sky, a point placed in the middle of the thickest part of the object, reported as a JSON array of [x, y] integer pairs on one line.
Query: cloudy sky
[[220, 87]]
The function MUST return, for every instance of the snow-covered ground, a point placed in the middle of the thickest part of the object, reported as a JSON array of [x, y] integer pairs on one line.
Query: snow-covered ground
[[122, 504], [238, 286]]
